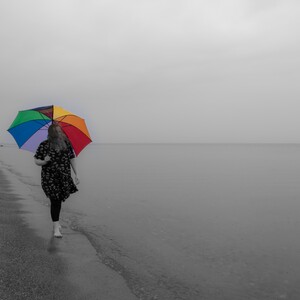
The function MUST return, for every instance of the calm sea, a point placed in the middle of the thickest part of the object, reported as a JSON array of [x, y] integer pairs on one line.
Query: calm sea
[[185, 221]]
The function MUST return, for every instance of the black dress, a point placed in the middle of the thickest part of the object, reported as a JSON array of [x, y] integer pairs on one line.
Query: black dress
[[57, 182]]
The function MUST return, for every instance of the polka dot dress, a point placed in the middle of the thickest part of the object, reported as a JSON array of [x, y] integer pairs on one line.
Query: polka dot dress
[[56, 179]]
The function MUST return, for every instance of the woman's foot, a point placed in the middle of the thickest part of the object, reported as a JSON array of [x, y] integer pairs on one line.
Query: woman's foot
[[56, 229]]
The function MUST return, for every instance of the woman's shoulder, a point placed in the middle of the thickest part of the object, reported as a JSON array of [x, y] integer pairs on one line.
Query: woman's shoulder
[[44, 143], [41, 149]]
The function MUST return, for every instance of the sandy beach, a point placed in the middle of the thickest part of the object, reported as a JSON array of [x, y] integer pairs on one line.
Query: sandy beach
[[34, 265]]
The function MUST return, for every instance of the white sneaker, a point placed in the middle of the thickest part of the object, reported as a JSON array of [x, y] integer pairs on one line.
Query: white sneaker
[[56, 229]]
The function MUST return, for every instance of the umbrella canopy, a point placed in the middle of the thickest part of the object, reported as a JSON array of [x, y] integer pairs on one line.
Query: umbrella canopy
[[30, 127]]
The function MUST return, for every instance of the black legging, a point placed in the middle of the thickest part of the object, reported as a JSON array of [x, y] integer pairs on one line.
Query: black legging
[[55, 209]]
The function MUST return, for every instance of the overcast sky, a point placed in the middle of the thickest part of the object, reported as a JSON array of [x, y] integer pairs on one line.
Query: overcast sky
[[156, 70]]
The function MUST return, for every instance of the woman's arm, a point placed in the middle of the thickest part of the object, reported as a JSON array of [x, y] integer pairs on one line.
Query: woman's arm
[[41, 162], [74, 167]]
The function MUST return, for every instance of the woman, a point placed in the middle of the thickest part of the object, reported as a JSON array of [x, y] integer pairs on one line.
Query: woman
[[56, 157]]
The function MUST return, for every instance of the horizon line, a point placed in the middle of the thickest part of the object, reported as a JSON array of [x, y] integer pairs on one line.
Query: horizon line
[[182, 143]]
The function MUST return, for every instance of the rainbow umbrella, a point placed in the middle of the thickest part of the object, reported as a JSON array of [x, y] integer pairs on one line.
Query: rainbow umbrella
[[30, 127]]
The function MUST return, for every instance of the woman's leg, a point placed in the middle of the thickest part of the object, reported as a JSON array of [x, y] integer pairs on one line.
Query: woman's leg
[[55, 209], [55, 212]]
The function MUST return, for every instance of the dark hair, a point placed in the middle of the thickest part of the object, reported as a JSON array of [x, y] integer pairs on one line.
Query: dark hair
[[57, 141]]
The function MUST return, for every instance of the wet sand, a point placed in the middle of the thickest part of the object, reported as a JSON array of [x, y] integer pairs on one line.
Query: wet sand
[[34, 265]]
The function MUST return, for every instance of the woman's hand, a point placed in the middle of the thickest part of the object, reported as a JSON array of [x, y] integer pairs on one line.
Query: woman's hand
[[42, 162], [47, 158], [76, 180]]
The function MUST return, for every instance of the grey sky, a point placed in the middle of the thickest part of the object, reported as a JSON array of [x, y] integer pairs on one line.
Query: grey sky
[[156, 70]]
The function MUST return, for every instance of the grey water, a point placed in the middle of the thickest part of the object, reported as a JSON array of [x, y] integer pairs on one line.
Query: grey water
[[189, 221]]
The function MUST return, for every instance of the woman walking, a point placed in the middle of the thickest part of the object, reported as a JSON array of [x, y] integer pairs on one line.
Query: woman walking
[[56, 157]]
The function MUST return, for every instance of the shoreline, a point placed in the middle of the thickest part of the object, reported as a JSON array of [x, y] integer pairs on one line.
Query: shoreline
[[34, 265]]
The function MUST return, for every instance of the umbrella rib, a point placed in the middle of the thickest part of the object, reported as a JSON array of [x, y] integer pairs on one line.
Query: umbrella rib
[[36, 121], [63, 117], [43, 116], [44, 124]]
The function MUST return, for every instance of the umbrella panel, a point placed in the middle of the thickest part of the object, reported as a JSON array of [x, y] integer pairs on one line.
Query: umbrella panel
[[24, 131], [76, 137], [45, 110], [75, 121], [29, 115], [33, 142]]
